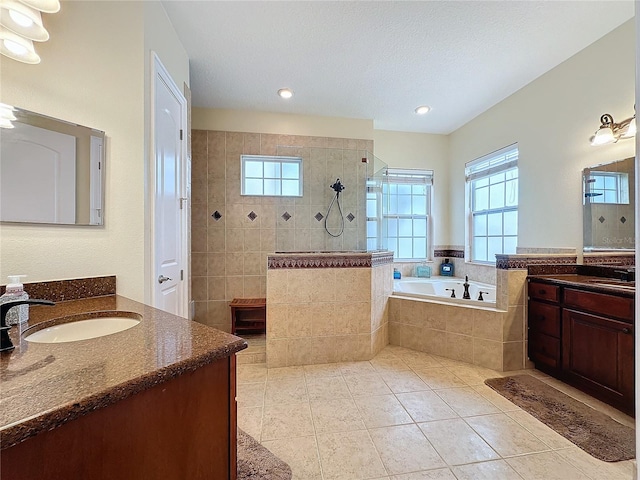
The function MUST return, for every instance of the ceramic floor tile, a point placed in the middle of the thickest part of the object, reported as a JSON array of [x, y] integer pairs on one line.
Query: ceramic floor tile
[[437, 474], [251, 373], [382, 411], [366, 384], [473, 375], [286, 421], [250, 394], [423, 360], [495, 398], [282, 373], [405, 449], [425, 406], [289, 390], [545, 466], [403, 381], [322, 370], [349, 456], [356, 368], [327, 388], [597, 469], [505, 435], [548, 436], [439, 377], [493, 470], [300, 453], [250, 420], [456, 442], [389, 364], [466, 401], [337, 415]]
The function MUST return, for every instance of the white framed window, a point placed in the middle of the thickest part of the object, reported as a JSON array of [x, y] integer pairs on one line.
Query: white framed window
[[406, 208], [267, 175], [492, 186], [607, 187]]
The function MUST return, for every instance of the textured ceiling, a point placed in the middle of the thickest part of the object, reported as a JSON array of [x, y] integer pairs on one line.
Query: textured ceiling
[[380, 60]]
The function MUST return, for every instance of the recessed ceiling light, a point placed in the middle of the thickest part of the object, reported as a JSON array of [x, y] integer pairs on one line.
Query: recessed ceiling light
[[422, 109], [285, 93]]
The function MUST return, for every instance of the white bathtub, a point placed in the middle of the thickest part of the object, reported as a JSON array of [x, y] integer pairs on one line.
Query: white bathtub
[[435, 288]]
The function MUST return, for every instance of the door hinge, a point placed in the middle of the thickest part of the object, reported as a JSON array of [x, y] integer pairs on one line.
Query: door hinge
[[182, 200], [181, 274], [180, 134]]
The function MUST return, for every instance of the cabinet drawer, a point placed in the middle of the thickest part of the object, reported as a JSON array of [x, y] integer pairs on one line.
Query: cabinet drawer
[[609, 305], [544, 318], [544, 349], [544, 291]]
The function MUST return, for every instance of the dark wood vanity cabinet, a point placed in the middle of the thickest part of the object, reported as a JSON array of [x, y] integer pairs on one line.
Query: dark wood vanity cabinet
[[584, 338]]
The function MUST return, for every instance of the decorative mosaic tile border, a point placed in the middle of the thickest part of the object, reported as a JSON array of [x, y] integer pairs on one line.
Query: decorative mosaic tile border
[[509, 262], [448, 253], [76, 289], [607, 259], [328, 260]]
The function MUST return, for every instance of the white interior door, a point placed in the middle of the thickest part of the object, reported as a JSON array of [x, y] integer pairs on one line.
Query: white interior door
[[37, 175], [170, 212]]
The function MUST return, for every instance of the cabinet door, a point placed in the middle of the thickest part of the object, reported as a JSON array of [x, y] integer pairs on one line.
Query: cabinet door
[[598, 354]]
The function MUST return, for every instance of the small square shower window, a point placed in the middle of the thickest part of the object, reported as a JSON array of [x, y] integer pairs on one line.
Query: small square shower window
[[266, 175]]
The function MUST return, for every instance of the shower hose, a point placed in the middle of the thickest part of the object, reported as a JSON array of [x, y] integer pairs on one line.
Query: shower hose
[[338, 187]]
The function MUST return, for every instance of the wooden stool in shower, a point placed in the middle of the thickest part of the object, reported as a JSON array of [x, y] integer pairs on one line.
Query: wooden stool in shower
[[248, 315]]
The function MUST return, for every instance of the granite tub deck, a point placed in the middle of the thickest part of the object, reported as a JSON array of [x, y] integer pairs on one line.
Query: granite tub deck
[[45, 386]]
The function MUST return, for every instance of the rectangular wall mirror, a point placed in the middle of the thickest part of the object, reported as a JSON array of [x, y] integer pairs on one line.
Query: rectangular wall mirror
[[609, 200], [51, 171]]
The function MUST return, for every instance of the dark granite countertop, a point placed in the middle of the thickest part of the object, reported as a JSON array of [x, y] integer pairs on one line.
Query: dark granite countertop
[[46, 385], [591, 283]]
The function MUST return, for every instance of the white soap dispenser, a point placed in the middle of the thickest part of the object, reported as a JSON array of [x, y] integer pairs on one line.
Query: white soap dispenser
[[15, 291]]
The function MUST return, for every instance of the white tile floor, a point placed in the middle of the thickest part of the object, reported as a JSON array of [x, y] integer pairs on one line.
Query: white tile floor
[[406, 415]]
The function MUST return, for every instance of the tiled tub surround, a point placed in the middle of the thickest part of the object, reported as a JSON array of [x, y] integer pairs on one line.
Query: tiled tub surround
[[229, 248], [329, 307], [47, 385]]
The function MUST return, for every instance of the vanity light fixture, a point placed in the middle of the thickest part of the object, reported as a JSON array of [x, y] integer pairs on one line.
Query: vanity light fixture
[[22, 20], [45, 6], [422, 109], [21, 25], [611, 131], [285, 93], [18, 48], [6, 116]]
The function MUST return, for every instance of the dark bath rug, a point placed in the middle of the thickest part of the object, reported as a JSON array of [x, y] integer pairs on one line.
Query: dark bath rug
[[592, 431], [255, 462]]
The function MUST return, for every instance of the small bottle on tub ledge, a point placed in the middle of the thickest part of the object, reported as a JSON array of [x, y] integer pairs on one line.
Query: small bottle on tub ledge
[[446, 268]]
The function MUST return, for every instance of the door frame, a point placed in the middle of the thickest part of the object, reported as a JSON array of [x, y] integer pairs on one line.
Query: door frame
[[158, 69]]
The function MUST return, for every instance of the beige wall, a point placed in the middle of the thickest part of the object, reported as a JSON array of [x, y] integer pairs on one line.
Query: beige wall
[[420, 150], [552, 119], [93, 73], [91, 76]]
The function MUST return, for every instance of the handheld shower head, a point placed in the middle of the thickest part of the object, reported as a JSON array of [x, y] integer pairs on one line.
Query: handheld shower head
[[338, 187]]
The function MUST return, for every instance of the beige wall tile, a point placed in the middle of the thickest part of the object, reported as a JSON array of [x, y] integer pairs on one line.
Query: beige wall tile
[[268, 240], [252, 263], [199, 142], [199, 288], [277, 286], [460, 347], [299, 351], [251, 144], [276, 352], [487, 353], [216, 241], [253, 286], [198, 240], [299, 323], [268, 144], [199, 166], [517, 287], [216, 288], [234, 240], [487, 324], [396, 333], [198, 264], [215, 143], [459, 320], [216, 166], [215, 264], [323, 350], [435, 342], [323, 319], [234, 142], [234, 287], [277, 320], [514, 324], [514, 356], [234, 263]]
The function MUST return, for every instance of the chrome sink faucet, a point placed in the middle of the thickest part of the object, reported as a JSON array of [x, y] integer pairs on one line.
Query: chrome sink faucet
[[5, 342]]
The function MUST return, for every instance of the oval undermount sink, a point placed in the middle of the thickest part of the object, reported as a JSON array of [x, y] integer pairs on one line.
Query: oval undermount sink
[[82, 330]]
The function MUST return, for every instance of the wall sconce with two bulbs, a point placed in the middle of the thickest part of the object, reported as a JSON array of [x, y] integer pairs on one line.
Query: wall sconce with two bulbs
[[611, 131]]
